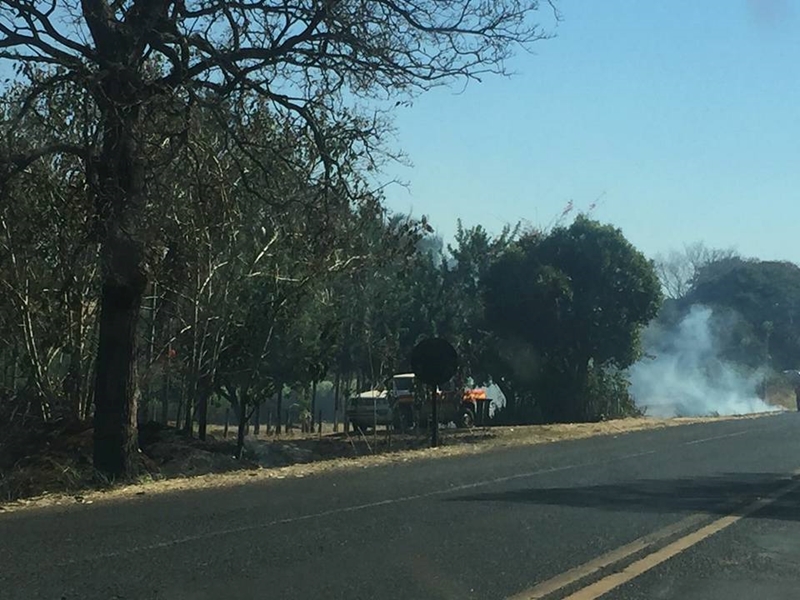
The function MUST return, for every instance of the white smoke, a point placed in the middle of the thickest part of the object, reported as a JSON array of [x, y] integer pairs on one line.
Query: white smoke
[[685, 375]]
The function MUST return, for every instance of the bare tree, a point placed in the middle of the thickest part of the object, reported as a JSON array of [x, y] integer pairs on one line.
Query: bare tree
[[678, 269], [141, 58]]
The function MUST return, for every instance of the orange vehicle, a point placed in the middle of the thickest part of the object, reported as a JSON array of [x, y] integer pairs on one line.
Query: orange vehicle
[[456, 404]]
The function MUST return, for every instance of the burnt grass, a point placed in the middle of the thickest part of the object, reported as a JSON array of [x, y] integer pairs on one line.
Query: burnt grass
[[56, 458]]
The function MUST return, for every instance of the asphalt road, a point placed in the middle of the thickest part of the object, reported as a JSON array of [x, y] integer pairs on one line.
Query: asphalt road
[[695, 512]]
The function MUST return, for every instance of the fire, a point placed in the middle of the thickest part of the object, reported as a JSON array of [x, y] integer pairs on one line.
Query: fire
[[479, 394]]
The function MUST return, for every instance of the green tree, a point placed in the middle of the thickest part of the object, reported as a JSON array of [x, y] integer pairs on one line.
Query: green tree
[[139, 60], [567, 303], [761, 300], [48, 272], [469, 261]]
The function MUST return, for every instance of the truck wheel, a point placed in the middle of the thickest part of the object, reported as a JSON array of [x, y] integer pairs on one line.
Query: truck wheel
[[467, 418]]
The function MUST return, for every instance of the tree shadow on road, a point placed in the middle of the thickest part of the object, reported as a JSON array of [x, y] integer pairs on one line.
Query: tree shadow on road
[[720, 494]]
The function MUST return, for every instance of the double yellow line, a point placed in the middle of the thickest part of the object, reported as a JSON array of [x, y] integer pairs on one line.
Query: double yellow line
[[660, 554]]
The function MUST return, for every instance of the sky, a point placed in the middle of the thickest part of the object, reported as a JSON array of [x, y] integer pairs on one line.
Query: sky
[[679, 121]]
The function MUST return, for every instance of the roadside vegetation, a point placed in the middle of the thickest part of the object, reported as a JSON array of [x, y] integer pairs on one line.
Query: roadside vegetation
[[174, 462], [192, 232]]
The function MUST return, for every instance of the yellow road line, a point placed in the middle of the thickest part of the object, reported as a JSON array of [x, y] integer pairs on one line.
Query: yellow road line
[[643, 565], [606, 584], [589, 568]]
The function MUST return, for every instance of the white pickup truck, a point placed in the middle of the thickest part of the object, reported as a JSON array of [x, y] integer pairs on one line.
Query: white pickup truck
[[369, 409]]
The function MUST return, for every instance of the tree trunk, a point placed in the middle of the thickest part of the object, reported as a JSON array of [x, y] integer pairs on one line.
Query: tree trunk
[[115, 443], [143, 409], [119, 185], [241, 430], [576, 406], [233, 401], [88, 396], [73, 382], [202, 410], [279, 403], [188, 392], [179, 413], [149, 404], [257, 419], [227, 420], [166, 391], [245, 396], [11, 369], [313, 403], [581, 395], [336, 382]]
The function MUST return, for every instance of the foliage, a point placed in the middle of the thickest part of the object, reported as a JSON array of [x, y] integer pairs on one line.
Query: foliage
[[608, 395], [48, 271], [222, 236], [143, 72], [759, 304], [566, 303]]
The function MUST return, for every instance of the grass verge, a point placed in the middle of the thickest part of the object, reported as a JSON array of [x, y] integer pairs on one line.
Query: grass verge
[[332, 453]]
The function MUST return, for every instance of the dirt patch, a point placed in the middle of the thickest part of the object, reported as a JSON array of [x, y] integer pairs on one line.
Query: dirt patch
[[170, 461]]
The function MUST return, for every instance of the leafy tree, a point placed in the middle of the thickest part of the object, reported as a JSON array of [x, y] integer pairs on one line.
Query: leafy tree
[[48, 269], [760, 301], [471, 258], [566, 303], [140, 60], [373, 304], [414, 288]]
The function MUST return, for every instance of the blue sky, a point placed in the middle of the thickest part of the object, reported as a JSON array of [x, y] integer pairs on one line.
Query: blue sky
[[682, 117]]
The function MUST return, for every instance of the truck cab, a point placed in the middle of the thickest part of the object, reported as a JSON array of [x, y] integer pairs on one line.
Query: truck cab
[[402, 389]]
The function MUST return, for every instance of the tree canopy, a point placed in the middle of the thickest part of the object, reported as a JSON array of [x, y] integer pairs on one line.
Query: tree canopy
[[137, 81], [574, 300], [763, 301]]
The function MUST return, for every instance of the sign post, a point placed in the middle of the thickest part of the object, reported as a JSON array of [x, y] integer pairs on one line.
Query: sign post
[[435, 362], [434, 416]]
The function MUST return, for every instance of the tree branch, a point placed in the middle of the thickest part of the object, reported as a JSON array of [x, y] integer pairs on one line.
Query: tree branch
[[12, 164]]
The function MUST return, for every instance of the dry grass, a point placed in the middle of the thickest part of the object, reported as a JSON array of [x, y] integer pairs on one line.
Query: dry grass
[[295, 433], [782, 396], [454, 443]]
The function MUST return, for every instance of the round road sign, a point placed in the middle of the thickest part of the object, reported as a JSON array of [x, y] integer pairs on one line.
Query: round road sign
[[434, 361]]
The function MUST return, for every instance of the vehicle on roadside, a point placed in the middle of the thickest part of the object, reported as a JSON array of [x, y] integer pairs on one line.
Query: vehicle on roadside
[[368, 410], [403, 394], [404, 404], [455, 403]]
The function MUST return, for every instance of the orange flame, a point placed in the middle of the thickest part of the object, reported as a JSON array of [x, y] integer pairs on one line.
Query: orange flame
[[475, 395]]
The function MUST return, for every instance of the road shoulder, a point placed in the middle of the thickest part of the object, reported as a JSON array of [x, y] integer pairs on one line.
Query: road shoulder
[[479, 440]]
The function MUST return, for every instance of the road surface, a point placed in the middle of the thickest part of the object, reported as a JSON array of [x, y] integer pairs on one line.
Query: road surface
[[708, 511]]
